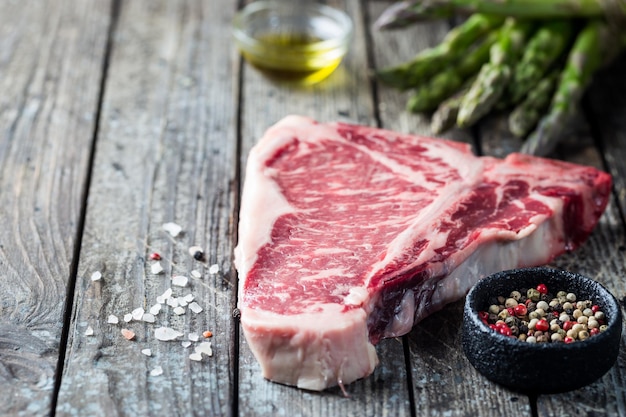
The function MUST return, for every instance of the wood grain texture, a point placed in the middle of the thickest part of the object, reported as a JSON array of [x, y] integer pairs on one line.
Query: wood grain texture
[[344, 96], [51, 55], [166, 152]]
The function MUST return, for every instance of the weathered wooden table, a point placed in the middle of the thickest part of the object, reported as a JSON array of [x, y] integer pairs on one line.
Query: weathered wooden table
[[119, 116]]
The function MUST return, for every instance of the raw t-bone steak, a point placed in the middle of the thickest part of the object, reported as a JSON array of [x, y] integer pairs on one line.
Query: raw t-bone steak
[[349, 234]]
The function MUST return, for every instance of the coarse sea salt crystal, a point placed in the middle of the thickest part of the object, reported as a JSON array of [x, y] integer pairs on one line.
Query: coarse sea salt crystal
[[89, 331], [112, 319], [179, 311], [172, 228], [96, 276], [180, 280], [166, 333], [146, 352], [128, 334], [196, 274], [185, 343], [195, 357], [156, 371], [138, 313], [155, 309], [156, 268], [205, 348], [189, 297], [195, 307], [148, 318], [128, 317], [193, 337], [167, 294], [214, 269], [172, 302]]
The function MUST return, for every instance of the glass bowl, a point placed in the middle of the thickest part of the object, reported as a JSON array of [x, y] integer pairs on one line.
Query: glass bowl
[[540, 368], [294, 42]]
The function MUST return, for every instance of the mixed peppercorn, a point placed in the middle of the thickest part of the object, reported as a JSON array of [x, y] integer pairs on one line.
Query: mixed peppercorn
[[534, 315]]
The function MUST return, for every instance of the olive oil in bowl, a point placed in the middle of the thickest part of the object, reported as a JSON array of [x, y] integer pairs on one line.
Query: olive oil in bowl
[[296, 45]]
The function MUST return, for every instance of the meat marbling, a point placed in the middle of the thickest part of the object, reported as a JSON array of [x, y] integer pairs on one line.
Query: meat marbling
[[349, 234]]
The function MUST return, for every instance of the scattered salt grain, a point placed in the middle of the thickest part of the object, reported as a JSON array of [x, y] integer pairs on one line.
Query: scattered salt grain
[[182, 302], [189, 298], [148, 318], [179, 311], [128, 334], [156, 371], [195, 307], [196, 274], [186, 343], [172, 302], [156, 268], [193, 337], [112, 319], [128, 317], [214, 269], [138, 313], [167, 294], [89, 331], [205, 348], [172, 228], [146, 352], [195, 357], [180, 280], [155, 309], [96, 276], [166, 333]]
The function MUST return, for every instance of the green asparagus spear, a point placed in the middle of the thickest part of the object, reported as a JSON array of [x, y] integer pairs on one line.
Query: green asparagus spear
[[444, 118], [542, 50], [447, 82], [526, 115], [584, 58], [494, 75], [432, 60], [536, 9]]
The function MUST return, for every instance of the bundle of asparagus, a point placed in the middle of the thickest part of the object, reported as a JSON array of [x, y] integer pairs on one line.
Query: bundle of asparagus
[[534, 57]]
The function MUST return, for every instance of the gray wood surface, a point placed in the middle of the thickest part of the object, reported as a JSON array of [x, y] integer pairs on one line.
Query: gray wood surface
[[51, 56], [166, 153], [119, 116]]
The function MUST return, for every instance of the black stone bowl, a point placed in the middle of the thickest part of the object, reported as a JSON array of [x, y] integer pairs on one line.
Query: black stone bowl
[[540, 368]]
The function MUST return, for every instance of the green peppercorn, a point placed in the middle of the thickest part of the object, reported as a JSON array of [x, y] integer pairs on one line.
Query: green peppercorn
[[533, 294]]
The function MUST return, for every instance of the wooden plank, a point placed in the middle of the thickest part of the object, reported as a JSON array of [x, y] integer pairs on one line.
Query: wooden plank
[[166, 152], [51, 55], [345, 96], [444, 382]]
